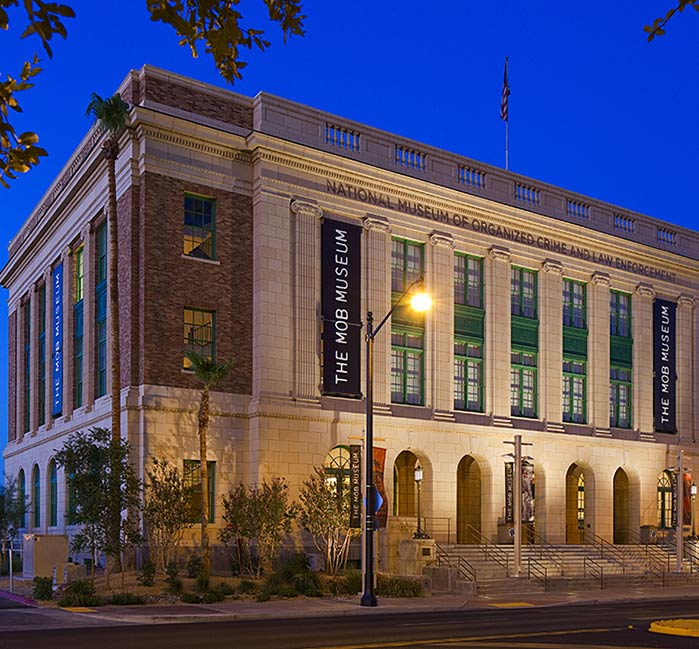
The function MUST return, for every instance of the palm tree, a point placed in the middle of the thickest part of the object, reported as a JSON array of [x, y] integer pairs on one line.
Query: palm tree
[[210, 373], [112, 114]]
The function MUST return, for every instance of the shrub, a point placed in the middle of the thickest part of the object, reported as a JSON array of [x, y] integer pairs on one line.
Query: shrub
[[146, 575], [206, 597], [80, 592], [174, 583], [263, 596], [194, 566], [126, 599], [225, 589], [354, 581], [247, 587], [191, 598], [293, 577], [43, 588], [398, 586]]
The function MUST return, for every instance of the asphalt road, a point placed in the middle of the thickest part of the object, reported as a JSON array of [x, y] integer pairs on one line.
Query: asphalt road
[[598, 626]]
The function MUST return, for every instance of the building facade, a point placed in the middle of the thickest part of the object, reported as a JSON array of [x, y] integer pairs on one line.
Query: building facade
[[264, 231]]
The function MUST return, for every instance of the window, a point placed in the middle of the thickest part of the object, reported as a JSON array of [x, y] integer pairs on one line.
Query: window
[[665, 500], [619, 397], [523, 287], [406, 264], [337, 469], [78, 330], [27, 366], [407, 367], [574, 304], [41, 387], [468, 376], [574, 391], [101, 312], [523, 384], [619, 314], [468, 280], [36, 497], [53, 494], [192, 480], [199, 334], [199, 226], [581, 505]]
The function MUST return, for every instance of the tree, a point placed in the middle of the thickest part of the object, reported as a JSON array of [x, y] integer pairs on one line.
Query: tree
[[256, 520], [102, 481], [216, 23], [210, 373], [325, 513], [658, 26], [12, 510], [166, 510]]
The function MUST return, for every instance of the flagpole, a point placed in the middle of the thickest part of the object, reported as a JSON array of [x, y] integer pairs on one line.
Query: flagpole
[[505, 113], [507, 145]]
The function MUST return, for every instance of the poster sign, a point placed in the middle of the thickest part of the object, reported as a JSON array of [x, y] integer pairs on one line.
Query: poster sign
[[527, 488], [380, 487], [57, 340], [355, 468], [341, 308], [509, 495], [664, 366]]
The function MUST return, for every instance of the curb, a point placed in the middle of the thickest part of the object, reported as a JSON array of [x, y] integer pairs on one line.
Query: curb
[[687, 628], [20, 599]]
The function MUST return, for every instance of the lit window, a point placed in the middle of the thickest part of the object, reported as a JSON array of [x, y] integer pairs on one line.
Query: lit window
[[199, 226], [198, 334]]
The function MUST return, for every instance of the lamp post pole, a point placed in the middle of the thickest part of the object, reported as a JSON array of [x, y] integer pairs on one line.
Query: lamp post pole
[[693, 492], [679, 499], [369, 597], [419, 533]]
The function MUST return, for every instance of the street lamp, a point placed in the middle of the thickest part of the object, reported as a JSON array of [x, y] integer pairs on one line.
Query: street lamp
[[419, 533], [419, 301], [693, 492]]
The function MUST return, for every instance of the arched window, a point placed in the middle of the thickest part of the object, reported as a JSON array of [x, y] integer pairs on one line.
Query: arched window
[[581, 502], [53, 494], [664, 500], [36, 497], [337, 469], [22, 493]]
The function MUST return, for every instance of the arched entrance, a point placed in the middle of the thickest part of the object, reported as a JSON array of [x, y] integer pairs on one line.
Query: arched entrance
[[468, 500], [622, 507], [404, 486], [665, 500], [575, 504]]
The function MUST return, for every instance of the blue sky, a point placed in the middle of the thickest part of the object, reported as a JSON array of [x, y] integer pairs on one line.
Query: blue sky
[[594, 108]]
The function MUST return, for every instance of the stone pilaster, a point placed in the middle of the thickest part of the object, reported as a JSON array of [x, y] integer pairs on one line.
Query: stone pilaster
[[598, 352], [376, 279], [306, 296], [440, 324], [498, 334], [685, 373], [642, 317], [19, 369], [34, 359], [89, 338], [551, 344]]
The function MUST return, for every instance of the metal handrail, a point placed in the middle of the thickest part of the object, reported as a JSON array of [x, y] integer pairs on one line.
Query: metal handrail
[[596, 570], [548, 551], [691, 551], [538, 571], [613, 553], [464, 568], [498, 555], [652, 563], [434, 526]]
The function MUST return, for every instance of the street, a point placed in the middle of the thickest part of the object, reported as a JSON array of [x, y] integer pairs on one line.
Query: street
[[604, 625]]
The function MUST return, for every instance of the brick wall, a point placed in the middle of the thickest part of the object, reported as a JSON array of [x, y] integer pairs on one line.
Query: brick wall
[[169, 283]]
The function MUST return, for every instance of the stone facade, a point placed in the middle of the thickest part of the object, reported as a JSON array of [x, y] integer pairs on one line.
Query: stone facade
[[275, 170]]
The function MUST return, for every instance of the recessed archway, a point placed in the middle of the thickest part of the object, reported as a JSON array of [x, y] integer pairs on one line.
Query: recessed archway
[[622, 507], [579, 502], [468, 501], [404, 486]]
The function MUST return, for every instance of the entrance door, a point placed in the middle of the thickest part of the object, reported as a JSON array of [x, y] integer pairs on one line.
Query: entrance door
[[622, 518], [468, 501], [664, 501], [575, 505]]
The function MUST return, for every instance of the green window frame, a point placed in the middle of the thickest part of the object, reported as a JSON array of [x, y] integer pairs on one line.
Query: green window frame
[[53, 494], [101, 312], [199, 334], [468, 375], [199, 227], [407, 263], [523, 384], [27, 365], [620, 387], [36, 497], [574, 304], [574, 390], [407, 366], [468, 280], [619, 314], [41, 369], [192, 481], [524, 292]]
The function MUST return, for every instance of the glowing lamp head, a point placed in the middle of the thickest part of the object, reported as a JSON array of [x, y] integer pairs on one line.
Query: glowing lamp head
[[421, 301]]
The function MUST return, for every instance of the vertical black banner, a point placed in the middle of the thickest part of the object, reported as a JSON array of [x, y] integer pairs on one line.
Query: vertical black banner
[[355, 467], [509, 494], [341, 307], [664, 366]]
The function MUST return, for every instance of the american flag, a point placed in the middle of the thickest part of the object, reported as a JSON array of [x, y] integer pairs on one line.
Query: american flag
[[504, 116]]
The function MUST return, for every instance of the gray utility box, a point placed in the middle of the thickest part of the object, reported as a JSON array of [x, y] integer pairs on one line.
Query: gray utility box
[[41, 553]]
